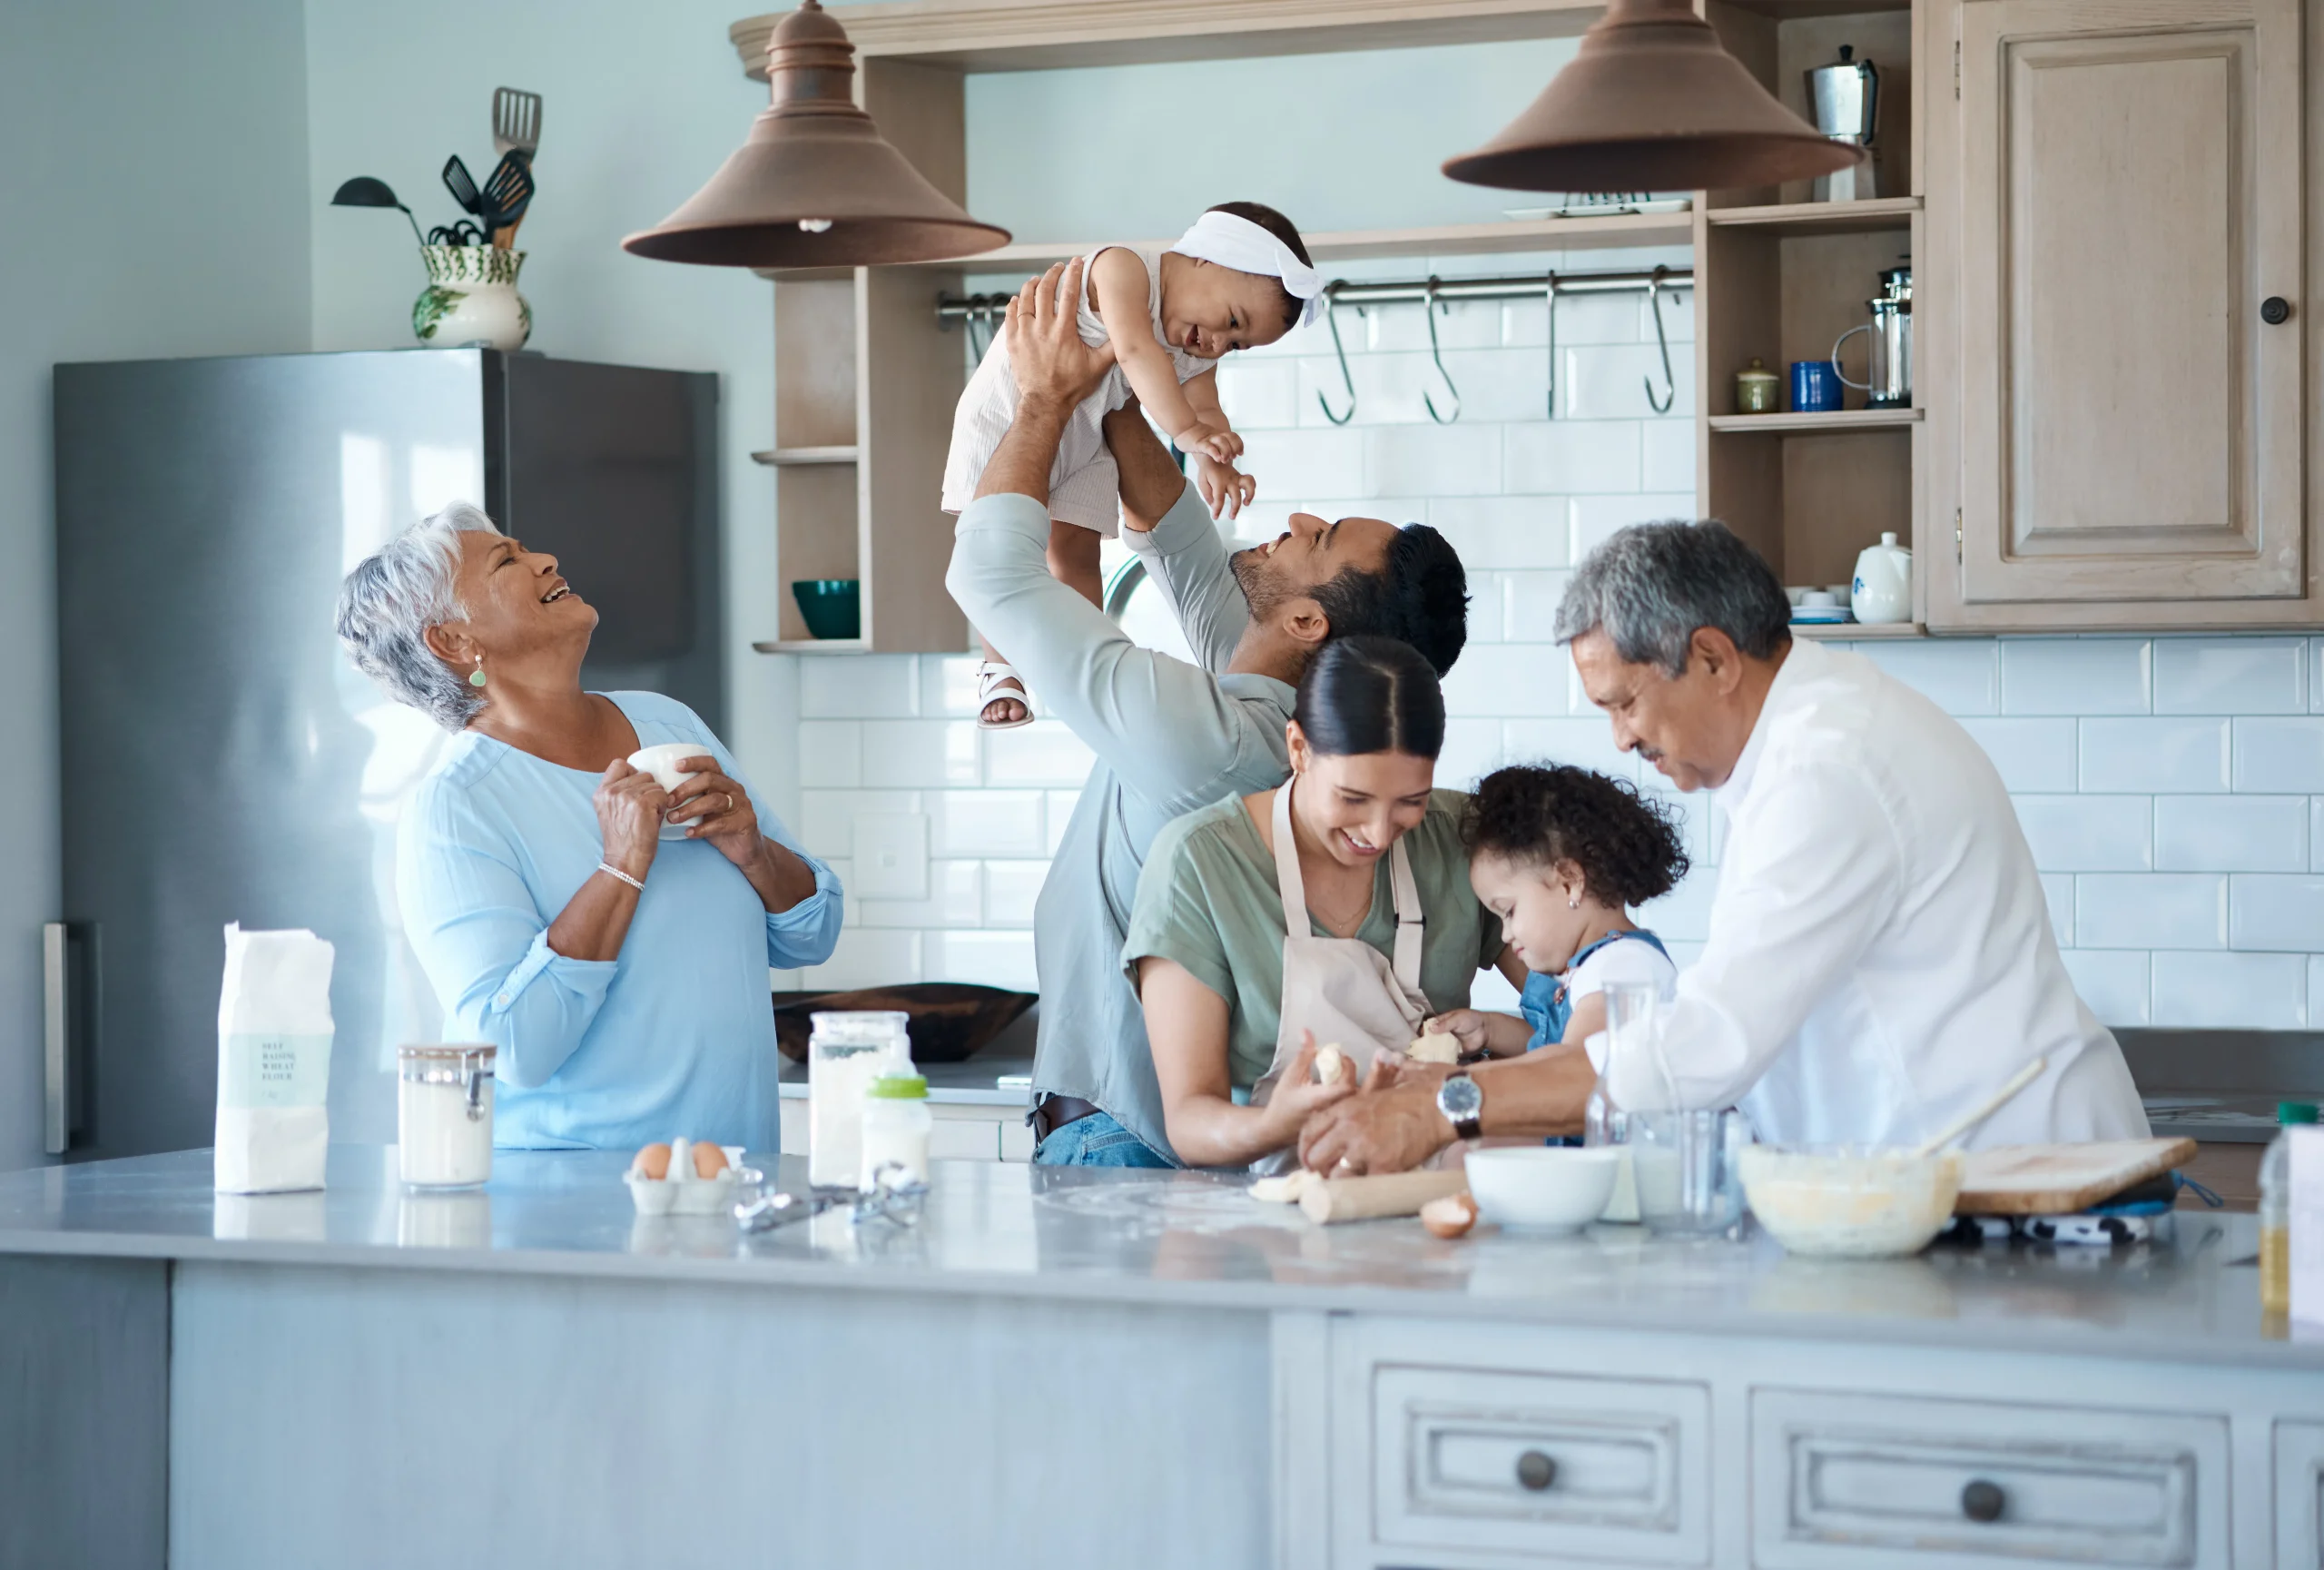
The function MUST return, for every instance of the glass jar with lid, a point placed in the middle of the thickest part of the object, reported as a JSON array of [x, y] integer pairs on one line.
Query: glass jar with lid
[[845, 1052], [444, 1114]]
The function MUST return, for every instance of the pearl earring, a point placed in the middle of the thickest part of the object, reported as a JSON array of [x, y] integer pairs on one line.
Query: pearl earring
[[1573, 902], [476, 677]]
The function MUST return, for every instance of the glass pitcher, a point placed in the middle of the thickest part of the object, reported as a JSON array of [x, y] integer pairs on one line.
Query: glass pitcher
[[1630, 1008]]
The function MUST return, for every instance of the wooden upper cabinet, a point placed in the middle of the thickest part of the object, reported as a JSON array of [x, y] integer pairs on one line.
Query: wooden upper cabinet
[[2130, 190]]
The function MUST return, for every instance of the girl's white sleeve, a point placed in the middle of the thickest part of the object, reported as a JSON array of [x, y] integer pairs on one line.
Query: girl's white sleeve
[[1628, 960]]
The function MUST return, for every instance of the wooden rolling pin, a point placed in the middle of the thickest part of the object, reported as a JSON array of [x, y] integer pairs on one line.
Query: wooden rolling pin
[[1329, 1199]]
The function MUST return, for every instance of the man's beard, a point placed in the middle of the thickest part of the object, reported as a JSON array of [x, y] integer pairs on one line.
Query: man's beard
[[1252, 576]]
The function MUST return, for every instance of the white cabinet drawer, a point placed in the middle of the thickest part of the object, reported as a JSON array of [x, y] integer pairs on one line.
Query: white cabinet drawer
[[2300, 1495], [1979, 1484], [1549, 1466]]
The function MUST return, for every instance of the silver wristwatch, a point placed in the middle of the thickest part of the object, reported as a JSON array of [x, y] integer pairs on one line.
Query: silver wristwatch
[[1463, 1103]]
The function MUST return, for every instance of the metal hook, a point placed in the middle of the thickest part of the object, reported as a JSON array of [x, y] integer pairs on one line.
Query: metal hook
[[1669, 387], [1553, 344], [1429, 307], [979, 312], [1330, 319]]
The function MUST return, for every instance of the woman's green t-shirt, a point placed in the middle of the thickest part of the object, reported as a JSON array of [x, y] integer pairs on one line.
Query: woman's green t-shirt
[[1208, 900]]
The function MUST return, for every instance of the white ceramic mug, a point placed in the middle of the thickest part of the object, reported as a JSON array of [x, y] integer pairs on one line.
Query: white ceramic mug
[[1882, 589], [662, 762]]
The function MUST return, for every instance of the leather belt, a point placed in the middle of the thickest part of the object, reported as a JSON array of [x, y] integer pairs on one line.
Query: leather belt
[[1056, 1111]]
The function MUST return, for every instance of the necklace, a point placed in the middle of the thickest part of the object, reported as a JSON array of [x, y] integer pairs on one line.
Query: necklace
[[1356, 903]]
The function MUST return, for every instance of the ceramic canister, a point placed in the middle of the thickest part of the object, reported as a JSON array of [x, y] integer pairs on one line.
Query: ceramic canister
[[1882, 589], [471, 298]]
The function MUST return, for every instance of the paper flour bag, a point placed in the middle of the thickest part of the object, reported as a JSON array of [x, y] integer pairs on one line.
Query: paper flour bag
[[273, 1063]]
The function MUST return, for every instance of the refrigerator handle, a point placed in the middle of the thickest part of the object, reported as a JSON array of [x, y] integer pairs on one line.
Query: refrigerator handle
[[57, 1032]]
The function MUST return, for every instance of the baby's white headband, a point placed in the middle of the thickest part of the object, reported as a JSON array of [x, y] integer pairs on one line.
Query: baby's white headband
[[1246, 247]]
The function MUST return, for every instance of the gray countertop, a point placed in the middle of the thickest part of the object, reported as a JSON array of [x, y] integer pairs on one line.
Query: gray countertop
[[1195, 1238]]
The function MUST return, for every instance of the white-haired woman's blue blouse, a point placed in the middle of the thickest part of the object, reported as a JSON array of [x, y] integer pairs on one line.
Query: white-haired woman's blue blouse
[[674, 1037]]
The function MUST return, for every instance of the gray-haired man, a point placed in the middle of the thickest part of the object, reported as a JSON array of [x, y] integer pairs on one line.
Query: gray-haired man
[[1880, 956]]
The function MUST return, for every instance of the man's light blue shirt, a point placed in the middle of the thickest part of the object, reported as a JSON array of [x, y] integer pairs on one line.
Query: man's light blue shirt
[[673, 1037]]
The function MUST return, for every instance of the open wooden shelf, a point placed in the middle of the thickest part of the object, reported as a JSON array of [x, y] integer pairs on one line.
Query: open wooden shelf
[[1628, 229], [974, 36], [788, 455], [1835, 420], [1857, 631], [1881, 213]]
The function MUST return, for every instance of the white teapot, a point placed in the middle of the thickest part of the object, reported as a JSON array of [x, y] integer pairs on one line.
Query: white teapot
[[1882, 589]]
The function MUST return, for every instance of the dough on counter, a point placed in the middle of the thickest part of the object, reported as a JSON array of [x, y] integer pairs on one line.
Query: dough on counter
[[1434, 1047], [1286, 1189], [1331, 1064]]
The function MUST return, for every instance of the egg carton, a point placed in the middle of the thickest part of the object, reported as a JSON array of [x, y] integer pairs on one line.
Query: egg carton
[[684, 1192]]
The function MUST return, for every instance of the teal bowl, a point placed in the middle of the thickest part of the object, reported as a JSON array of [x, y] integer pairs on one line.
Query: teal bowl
[[831, 606]]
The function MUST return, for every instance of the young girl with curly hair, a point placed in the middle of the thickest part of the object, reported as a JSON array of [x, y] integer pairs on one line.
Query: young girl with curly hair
[[1560, 854]]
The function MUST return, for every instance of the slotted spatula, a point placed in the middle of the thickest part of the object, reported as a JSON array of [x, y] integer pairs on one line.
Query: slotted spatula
[[462, 185], [505, 196], [515, 122]]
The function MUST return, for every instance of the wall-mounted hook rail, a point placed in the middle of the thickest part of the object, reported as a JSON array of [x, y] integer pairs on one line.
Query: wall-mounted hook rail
[[987, 310]]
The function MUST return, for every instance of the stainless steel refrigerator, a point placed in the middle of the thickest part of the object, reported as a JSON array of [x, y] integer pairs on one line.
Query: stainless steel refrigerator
[[221, 760]]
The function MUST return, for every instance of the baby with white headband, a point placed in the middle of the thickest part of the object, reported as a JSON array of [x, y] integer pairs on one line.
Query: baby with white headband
[[1239, 277]]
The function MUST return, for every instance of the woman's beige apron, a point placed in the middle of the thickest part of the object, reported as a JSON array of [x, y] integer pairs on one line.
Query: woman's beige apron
[[1341, 988]]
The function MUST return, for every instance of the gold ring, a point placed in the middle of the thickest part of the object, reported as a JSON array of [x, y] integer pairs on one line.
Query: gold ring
[[730, 799]]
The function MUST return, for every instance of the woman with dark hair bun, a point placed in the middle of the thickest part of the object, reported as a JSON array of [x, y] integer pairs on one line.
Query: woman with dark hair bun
[[1333, 913]]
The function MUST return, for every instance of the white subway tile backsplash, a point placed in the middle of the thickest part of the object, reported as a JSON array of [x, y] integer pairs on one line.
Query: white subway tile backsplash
[[1581, 319], [1472, 750], [1387, 390], [955, 899], [2057, 892], [1503, 531], [857, 687], [889, 857], [2230, 990], [1611, 382], [1460, 324], [2231, 676], [2184, 755], [2075, 834], [1583, 742], [2271, 912], [1011, 889], [2113, 982], [922, 753], [991, 959], [1961, 678], [866, 957], [1320, 462], [1667, 448], [831, 754], [947, 686], [2315, 992], [1684, 913], [1570, 457], [2150, 911], [1504, 679], [1494, 385], [2078, 676], [1433, 460], [1259, 394], [1594, 518], [1045, 753], [2231, 833], [1529, 610], [2030, 755], [989, 823], [827, 818], [2275, 754]]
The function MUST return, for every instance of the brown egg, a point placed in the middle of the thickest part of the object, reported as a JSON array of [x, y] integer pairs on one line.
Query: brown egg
[[1450, 1216], [654, 1160], [709, 1160]]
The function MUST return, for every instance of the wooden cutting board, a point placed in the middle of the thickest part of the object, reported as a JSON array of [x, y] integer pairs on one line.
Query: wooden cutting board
[[2059, 1180]]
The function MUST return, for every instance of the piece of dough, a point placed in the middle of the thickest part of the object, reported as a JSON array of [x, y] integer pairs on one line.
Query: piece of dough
[[1331, 1064], [1286, 1189], [1434, 1047]]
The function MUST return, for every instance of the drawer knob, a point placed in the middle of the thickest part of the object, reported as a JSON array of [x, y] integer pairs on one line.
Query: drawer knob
[[2275, 311], [1983, 1501], [1536, 1471]]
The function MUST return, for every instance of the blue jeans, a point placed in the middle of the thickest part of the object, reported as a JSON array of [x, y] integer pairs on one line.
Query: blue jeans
[[1097, 1141]]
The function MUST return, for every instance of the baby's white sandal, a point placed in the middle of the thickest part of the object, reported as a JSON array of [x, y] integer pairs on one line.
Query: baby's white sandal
[[998, 679]]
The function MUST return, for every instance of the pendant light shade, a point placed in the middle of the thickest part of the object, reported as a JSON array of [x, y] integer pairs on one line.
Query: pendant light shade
[[1651, 102], [815, 185]]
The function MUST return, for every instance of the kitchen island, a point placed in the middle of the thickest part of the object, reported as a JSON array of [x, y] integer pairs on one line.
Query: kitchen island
[[1066, 1367]]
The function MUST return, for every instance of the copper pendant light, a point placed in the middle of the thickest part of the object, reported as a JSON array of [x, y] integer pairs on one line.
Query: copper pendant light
[[1651, 102], [815, 185]]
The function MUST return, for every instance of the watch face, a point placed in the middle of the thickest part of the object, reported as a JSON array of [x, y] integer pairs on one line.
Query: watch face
[[1459, 1099]]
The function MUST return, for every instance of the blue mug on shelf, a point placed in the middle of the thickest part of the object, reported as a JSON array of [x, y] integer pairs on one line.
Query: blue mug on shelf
[[1814, 387]]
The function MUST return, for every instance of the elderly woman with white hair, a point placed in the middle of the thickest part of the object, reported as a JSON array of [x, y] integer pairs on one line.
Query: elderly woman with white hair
[[623, 975]]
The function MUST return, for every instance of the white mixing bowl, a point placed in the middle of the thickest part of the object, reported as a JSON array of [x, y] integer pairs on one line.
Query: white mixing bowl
[[1542, 1187], [1851, 1202]]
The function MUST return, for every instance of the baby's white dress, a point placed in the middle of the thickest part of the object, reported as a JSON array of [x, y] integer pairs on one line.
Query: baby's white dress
[[1085, 487]]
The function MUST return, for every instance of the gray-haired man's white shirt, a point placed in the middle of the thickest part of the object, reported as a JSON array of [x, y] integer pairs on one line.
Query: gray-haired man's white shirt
[[1169, 737]]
